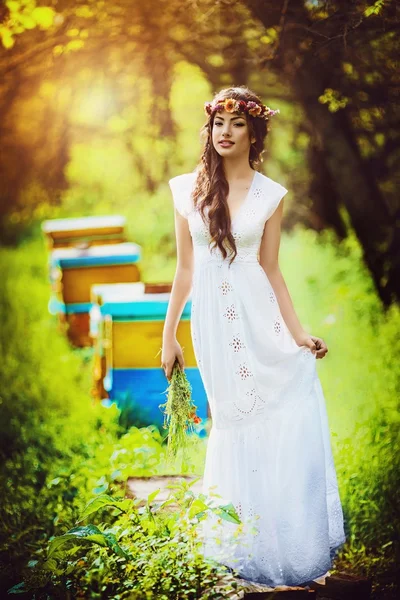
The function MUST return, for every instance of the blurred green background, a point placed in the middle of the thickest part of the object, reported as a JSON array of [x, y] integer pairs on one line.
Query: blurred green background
[[102, 103]]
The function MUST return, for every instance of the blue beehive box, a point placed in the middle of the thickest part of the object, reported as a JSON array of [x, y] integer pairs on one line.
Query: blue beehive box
[[129, 324]]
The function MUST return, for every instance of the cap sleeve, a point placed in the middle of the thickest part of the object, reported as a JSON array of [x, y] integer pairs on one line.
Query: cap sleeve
[[181, 187], [275, 193]]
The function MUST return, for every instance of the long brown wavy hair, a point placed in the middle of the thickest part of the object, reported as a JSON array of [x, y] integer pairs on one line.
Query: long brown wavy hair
[[211, 187]]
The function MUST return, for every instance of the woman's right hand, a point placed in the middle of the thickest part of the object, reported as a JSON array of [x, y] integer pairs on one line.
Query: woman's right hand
[[171, 351]]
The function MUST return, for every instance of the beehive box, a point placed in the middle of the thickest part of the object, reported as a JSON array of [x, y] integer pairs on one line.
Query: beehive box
[[84, 231], [127, 324], [98, 294], [74, 271]]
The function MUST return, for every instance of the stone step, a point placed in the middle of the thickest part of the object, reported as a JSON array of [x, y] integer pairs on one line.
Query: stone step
[[282, 592], [343, 586], [141, 487]]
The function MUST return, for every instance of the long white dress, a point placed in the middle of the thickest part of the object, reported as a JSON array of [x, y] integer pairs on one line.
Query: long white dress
[[269, 449]]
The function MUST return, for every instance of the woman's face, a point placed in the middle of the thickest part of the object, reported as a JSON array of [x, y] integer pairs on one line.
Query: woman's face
[[233, 128]]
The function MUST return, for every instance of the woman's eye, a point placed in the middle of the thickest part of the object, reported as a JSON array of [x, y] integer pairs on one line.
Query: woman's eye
[[236, 124]]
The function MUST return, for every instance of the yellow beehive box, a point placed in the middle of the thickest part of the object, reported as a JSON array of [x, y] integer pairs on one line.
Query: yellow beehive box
[[74, 271]]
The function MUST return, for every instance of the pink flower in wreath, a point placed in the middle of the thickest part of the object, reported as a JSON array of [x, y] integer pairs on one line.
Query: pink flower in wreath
[[269, 112]]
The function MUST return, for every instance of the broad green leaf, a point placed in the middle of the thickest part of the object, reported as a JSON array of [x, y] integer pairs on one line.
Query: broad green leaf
[[197, 507], [228, 513], [102, 501], [153, 495], [113, 544], [86, 533], [19, 588]]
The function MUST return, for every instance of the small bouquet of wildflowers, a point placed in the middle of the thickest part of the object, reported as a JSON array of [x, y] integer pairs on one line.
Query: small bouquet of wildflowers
[[179, 412]]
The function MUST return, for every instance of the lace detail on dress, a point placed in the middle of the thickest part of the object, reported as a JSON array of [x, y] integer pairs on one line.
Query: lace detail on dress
[[237, 343], [205, 230], [225, 287], [246, 412], [254, 403], [250, 213], [244, 371], [258, 192], [253, 394], [277, 326], [237, 236], [230, 313]]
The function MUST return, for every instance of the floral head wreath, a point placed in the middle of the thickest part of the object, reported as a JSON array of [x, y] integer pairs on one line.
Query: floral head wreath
[[232, 105]]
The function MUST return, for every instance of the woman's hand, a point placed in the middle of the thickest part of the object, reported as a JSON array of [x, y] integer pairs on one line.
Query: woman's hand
[[171, 351], [316, 344]]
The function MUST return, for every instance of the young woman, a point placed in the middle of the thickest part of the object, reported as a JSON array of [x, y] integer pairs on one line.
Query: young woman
[[269, 450]]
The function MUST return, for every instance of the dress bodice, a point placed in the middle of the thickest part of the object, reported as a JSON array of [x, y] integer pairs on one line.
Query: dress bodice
[[247, 225]]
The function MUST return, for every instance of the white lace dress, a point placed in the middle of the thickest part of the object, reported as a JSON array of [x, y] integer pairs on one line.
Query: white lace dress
[[269, 450]]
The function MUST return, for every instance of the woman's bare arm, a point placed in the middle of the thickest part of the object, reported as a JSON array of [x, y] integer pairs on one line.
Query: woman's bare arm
[[182, 283], [269, 260]]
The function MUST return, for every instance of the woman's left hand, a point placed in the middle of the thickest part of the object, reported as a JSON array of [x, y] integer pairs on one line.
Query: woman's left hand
[[316, 345]]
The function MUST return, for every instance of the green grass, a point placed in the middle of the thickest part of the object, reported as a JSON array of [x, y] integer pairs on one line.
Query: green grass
[[58, 448]]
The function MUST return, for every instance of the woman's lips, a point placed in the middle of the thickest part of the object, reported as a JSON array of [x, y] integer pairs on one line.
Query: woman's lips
[[226, 144]]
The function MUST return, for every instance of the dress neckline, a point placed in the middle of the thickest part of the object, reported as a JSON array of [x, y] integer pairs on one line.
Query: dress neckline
[[234, 218]]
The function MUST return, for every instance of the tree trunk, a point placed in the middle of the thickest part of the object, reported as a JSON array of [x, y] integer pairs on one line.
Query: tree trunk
[[355, 186], [310, 66]]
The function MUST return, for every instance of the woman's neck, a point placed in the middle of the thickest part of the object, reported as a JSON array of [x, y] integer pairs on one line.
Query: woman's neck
[[237, 170]]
